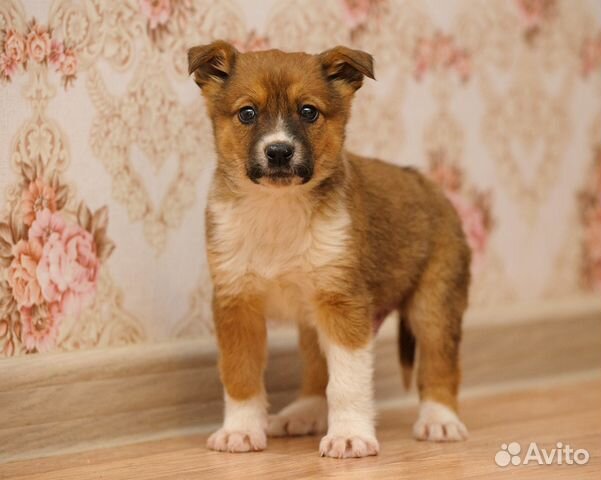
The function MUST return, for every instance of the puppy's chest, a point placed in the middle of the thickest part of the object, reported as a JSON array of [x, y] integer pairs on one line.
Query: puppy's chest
[[275, 245]]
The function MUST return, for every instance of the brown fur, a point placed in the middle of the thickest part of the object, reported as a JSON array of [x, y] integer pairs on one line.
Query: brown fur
[[406, 249], [242, 338], [315, 369]]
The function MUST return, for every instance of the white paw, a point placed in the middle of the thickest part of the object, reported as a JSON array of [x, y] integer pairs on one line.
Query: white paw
[[305, 416], [438, 423], [243, 426], [237, 441], [338, 446]]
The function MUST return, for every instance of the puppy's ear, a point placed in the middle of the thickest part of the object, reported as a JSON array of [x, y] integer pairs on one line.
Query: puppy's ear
[[211, 63], [347, 65]]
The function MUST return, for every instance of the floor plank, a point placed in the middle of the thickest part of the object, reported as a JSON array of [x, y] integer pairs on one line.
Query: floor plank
[[569, 413]]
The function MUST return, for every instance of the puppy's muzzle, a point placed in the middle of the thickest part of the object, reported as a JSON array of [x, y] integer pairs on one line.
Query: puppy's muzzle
[[279, 155], [280, 163]]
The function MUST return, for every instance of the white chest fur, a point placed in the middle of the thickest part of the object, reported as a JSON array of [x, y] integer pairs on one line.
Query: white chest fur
[[273, 242]]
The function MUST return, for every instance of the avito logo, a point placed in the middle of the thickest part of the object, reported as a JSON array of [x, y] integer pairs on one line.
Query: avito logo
[[561, 454]]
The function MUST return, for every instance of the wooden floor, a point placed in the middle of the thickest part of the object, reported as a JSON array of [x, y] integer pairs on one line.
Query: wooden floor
[[570, 413]]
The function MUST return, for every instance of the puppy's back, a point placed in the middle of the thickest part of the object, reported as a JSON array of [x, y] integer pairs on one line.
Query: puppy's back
[[406, 219]]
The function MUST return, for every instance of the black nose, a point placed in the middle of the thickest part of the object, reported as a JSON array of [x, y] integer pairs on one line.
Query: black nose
[[279, 154]]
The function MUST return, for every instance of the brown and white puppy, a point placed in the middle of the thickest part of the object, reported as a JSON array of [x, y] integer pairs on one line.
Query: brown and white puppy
[[299, 229]]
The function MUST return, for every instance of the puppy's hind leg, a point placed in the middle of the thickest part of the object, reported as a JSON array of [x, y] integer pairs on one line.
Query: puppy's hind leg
[[435, 312], [308, 414]]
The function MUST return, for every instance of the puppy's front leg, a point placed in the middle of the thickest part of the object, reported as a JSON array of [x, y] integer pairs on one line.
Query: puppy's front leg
[[241, 333], [346, 338]]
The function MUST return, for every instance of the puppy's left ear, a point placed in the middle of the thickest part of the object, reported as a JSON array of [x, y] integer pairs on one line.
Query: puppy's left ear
[[212, 63], [347, 65]]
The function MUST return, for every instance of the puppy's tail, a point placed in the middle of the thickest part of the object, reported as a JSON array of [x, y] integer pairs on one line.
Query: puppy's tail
[[406, 350]]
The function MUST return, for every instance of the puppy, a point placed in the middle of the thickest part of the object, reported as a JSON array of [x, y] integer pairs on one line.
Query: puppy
[[299, 229]]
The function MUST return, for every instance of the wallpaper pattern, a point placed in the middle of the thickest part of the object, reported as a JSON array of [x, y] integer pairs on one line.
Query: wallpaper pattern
[[106, 152]]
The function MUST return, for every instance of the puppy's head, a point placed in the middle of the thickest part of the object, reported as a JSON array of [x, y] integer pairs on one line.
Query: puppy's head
[[278, 118]]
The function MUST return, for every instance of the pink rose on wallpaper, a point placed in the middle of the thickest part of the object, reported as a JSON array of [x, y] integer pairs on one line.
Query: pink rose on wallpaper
[[447, 176], [475, 228], [68, 269], [590, 55], [39, 326], [252, 43], [14, 46], [355, 12], [424, 53], [22, 276], [57, 54], [8, 65], [590, 204], [473, 221], [441, 53], [45, 224], [463, 65], [593, 237], [37, 197], [157, 11], [38, 43], [533, 12], [596, 273], [444, 52], [69, 64]]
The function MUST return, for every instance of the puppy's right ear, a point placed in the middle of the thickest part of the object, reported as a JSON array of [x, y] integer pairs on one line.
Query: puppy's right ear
[[211, 63]]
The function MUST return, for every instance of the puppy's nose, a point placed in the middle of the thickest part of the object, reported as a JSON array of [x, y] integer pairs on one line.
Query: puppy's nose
[[279, 154]]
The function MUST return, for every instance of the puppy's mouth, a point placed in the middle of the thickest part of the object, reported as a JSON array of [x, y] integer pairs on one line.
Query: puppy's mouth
[[280, 176]]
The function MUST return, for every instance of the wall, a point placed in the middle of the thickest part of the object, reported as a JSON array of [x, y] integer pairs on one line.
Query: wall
[[106, 151]]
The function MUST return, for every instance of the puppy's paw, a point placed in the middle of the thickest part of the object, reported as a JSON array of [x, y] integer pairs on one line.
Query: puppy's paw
[[305, 416], [237, 441], [438, 423], [340, 446]]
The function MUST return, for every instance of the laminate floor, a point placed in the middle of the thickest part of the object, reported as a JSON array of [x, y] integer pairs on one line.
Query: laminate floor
[[569, 413]]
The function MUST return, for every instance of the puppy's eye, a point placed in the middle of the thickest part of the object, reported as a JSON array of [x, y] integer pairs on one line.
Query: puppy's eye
[[247, 115], [309, 113]]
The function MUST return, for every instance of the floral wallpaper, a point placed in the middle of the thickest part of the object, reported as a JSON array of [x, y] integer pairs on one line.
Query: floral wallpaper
[[591, 221], [106, 151]]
